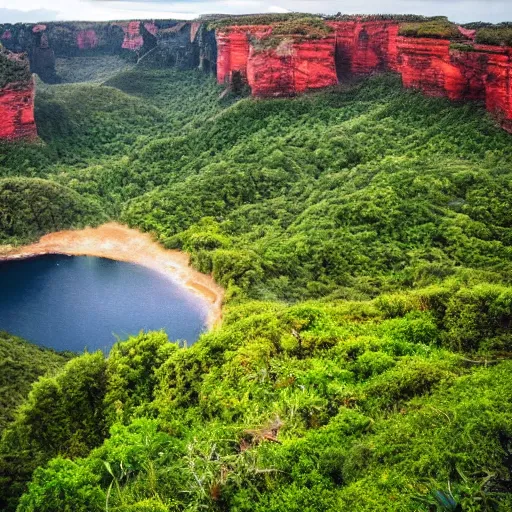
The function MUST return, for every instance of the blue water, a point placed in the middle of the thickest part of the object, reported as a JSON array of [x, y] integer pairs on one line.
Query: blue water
[[77, 303]]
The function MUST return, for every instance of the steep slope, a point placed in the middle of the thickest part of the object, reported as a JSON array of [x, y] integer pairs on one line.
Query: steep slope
[[21, 364], [17, 90]]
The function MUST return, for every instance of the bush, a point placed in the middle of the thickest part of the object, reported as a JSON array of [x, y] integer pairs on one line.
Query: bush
[[495, 35], [65, 486], [438, 29], [479, 319]]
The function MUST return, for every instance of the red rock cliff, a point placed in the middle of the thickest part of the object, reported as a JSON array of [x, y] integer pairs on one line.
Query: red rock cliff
[[133, 39], [498, 84], [292, 67], [483, 73], [17, 90], [285, 66], [233, 52], [425, 64], [364, 47]]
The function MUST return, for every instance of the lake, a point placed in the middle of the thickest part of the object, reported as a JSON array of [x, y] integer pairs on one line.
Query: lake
[[79, 302]]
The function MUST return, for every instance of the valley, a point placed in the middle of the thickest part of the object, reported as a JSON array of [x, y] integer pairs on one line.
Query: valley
[[354, 241]]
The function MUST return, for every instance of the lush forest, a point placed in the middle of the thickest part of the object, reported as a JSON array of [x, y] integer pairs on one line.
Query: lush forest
[[364, 237], [21, 363]]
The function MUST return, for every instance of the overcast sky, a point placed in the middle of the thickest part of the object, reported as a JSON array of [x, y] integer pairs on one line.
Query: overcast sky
[[48, 10]]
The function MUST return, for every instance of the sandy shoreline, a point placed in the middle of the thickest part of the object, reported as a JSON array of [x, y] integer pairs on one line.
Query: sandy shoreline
[[117, 242]]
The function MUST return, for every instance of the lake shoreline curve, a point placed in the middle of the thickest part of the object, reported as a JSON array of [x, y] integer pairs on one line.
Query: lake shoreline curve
[[118, 242]]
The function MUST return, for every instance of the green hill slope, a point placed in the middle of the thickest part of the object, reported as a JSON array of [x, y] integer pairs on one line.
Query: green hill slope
[[21, 364], [31, 207]]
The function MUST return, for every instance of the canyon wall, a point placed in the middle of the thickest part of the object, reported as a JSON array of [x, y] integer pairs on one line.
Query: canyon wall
[[17, 91], [284, 65], [271, 59], [468, 72], [275, 64], [292, 67], [34, 48], [43, 43], [364, 47]]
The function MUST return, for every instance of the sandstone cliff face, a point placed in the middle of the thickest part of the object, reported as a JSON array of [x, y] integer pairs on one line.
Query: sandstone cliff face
[[293, 63], [133, 39], [275, 65], [176, 46], [363, 47], [16, 98], [425, 64], [233, 52], [483, 73], [498, 85], [292, 67]]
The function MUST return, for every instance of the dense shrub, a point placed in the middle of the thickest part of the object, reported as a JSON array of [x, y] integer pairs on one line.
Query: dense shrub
[[500, 35], [14, 69], [21, 364], [31, 207], [438, 29]]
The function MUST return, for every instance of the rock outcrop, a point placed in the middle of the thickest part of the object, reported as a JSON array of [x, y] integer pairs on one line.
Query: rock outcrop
[[133, 39], [498, 84], [363, 47], [472, 72], [292, 67], [425, 64], [233, 52], [275, 64], [17, 91]]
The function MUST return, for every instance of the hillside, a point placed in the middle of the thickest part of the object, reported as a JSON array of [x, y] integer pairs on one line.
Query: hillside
[[363, 235], [21, 364]]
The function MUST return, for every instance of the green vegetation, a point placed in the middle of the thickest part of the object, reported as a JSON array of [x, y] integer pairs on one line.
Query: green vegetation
[[439, 28], [21, 364], [31, 207], [222, 21], [308, 27], [363, 235], [96, 69], [386, 17], [13, 69], [296, 29], [498, 35], [367, 404], [462, 47]]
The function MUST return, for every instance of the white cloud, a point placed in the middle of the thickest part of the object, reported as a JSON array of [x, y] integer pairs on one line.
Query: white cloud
[[276, 8]]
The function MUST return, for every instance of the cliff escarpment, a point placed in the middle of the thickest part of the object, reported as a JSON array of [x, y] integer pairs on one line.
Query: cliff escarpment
[[16, 97], [177, 42], [364, 47], [433, 55], [286, 55], [283, 59]]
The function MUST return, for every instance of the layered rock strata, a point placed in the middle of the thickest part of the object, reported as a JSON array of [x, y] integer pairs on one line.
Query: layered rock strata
[[17, 91]]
